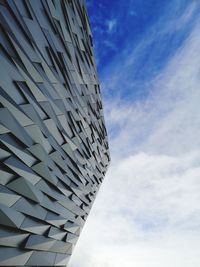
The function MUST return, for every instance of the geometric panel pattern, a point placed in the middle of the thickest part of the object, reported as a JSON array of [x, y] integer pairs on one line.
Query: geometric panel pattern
[[54, 148]]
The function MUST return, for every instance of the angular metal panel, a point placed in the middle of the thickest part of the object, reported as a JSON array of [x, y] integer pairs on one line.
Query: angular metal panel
[[53, 141]]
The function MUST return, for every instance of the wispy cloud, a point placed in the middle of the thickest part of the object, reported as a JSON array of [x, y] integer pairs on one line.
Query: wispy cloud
[[169, 114], [111, 24], [138, 62]]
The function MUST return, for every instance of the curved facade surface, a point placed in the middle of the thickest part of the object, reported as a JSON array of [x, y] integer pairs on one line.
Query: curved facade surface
[[54, 149]]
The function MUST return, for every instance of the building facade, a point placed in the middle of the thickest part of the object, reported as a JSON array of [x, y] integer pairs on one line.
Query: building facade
[[54, 148]]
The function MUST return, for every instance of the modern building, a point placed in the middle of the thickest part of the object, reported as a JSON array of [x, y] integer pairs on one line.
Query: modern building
[[54, 148]]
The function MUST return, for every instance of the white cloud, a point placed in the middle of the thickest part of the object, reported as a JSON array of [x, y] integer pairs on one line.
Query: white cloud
[[147, 213], [111, 24]]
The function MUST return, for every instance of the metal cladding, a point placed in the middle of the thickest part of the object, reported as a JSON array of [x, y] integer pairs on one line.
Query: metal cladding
[[54, 149]]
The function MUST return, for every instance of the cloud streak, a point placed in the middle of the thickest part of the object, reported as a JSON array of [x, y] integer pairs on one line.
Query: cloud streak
[[139, 62]]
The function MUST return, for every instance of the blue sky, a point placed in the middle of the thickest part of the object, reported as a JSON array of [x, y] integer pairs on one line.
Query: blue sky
[[120, 26], [147, 211]]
